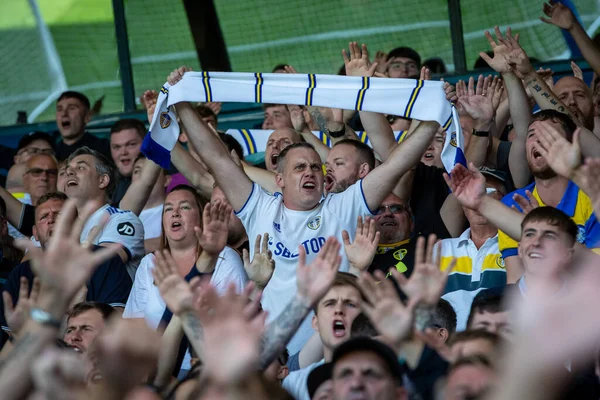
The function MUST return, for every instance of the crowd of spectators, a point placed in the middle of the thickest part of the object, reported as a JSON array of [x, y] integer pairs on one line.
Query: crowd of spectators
[[342, 272]]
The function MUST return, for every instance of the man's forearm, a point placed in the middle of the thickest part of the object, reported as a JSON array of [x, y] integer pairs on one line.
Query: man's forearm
[[543, 96], [380, 133], [502, 217], [138, 192], [193, 330], [586, 45], [14, 208], [281, 330], [192, 170]]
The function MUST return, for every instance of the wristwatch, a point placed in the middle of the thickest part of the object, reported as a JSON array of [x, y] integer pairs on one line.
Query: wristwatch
[[338, 134], [44, 318], [481, 133]]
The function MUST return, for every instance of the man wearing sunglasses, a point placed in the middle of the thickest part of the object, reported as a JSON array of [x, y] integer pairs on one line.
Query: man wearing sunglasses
[[40, 176], [395, 224], [479, 264]]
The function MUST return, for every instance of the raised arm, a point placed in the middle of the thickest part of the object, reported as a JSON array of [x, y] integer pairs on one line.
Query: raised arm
[[192, 170], [313, 282], [562, 17], [139, 191], [300, 126], [230, 178], [380, 182], [14, 208], [378, 128]]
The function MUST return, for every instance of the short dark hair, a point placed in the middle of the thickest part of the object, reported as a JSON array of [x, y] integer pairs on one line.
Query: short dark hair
[[205, 111], [284, 153], [493, 303], [474, 360], [365, 153], [556, 116], [103, 166], [436, 65], [79, 308], [554, 217], [344, 279], [71, 94], [362, 326], [474, 334], [444, 316], [232, 144], [51, 196], [129, 123], [405, 52]]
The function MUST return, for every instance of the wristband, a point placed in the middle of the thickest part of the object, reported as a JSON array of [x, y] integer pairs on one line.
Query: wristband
[[338, 134], [44, 318], [481, 133]]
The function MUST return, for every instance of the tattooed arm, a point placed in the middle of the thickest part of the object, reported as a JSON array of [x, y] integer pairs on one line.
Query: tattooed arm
[[313, 282], [193, 330]]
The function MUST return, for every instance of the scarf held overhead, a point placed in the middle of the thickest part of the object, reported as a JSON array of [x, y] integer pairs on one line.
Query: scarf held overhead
[[408, 98]]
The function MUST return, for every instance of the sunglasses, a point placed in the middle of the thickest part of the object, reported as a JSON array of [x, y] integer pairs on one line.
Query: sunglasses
[[394, 209], [37, 172]]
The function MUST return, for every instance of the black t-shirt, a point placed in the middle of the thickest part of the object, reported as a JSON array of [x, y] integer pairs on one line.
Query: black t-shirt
[[122, 185], [110, 283], [429, 192], [27, 220], [401, 255], [63, 150]]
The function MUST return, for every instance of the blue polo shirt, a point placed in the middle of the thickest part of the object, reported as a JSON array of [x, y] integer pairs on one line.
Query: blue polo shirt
[[575, 203]]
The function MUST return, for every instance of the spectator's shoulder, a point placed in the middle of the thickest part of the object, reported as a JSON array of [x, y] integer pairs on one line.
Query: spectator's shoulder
[[508, 199]]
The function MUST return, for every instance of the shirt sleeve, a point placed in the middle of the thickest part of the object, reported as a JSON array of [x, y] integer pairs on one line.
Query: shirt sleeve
[[293, 363], [110, 283], [350, 204], [257, 203], [507, 246], [229, 269], [592, 232], [126, 229], [138, 297]]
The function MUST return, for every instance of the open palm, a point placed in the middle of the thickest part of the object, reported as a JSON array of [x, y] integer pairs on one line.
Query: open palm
[[212, 237], [175, 291], [361, 251], [315, 279], [467, 185]]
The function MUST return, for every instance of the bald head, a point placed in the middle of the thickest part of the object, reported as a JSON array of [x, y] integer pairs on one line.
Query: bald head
[[575, 94], [279, 140]]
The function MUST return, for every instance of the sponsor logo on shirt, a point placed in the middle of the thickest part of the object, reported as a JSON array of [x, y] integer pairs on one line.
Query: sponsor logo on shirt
[[581, 234], [126, 229], [311, 246], [314, 223], [277, 227]]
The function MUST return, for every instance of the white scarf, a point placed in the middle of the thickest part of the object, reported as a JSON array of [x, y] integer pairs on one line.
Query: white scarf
[[408, 98]]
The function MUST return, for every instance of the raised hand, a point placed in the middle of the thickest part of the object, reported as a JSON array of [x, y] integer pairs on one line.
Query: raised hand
[[261, 268], [314, 280], [495, 90], [59, 374], [149, 99], [577, 72], [527, 204], [212, 237], [427, 282], [126, 351], [297, 117], [362, 250], [176, 292], [562, 156], [478, 102], [546, 75], [383, 307], [382, 61], [232, 336], [177, 74], [290, 69], [425, 74], [450, 92], [358, 63], [17, 315], [65, 265], [560, 15], [467, 185]]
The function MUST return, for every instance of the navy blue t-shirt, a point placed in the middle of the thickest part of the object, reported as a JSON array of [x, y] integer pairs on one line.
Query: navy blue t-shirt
[[110, 283]]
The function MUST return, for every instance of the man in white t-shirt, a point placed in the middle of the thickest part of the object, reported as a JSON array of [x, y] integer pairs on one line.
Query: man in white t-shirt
[[300, 216], [90, 181]]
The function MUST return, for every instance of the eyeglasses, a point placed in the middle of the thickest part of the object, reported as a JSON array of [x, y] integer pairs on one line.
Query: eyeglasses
[[411, 66], [394, 209], [37, 172], [36, 150]]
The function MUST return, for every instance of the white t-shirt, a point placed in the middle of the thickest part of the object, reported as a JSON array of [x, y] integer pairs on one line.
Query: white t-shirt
[[152, 221], [289, 229], [296, 382], [123, 227], [146, 302]]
